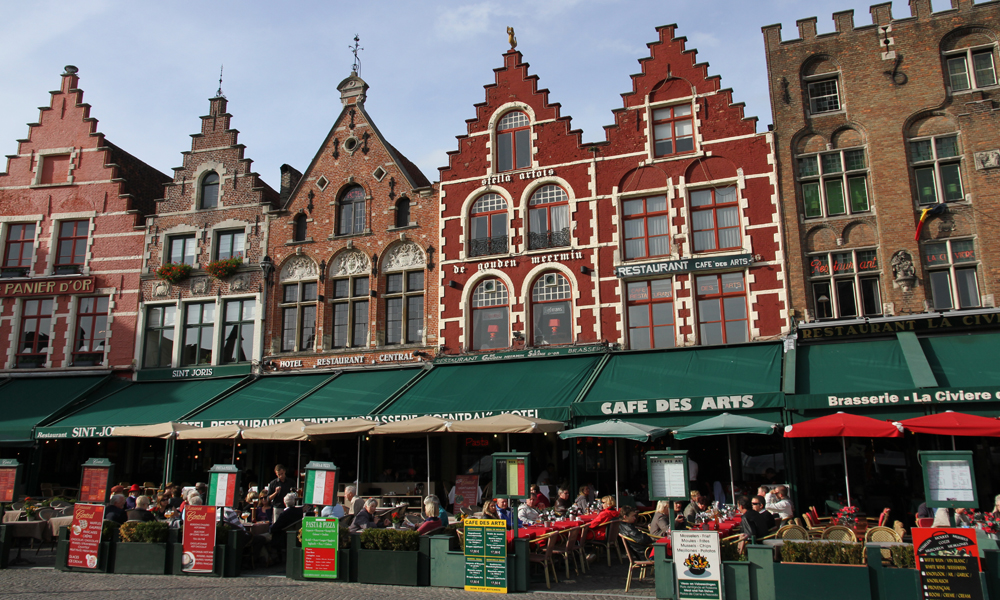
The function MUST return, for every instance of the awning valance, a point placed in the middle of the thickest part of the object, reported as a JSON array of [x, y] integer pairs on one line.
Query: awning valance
[[30, 401], [257, 404], [351, 394]]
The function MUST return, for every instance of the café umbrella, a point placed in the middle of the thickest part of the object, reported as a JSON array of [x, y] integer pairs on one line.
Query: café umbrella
[[426, 425], [728, 425], [507, 423], [219, 432], [953, 423], [164, 431], [291, 431], [617, 429], [843, 425], [356, 426]]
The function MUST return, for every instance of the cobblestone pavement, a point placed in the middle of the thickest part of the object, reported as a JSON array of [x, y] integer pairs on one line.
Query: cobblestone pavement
[[41, 581]]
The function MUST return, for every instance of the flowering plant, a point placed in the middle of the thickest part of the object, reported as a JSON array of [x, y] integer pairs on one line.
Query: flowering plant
[[987, 521], [224, 267], [30, 508], [173, 272], [848, 515]]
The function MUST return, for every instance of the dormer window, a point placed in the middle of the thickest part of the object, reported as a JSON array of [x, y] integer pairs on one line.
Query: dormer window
[[971, 68], [210, 190], [299, 228], [673, 130], [513, 142], [351, 214]]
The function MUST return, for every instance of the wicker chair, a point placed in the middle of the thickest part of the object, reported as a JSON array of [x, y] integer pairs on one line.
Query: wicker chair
[[634, 562], [567, 549], [897, 526], [545, 556], [839, 533], [792, 532], [815, 529], [883, 534], [609, 541]]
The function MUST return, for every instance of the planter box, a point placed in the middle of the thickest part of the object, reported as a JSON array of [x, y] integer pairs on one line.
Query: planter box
[[217, 566], [386, 567], [141, 558], [901, 584], [821, 582]]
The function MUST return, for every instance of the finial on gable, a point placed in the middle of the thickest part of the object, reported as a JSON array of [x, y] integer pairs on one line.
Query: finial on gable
[[356, 67], [511, 38], [219, 94]]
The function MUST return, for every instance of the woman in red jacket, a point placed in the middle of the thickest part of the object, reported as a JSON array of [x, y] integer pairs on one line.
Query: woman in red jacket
[[609, 513]]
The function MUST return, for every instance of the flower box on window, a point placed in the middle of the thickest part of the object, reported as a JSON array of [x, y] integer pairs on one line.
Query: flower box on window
[[223, 268], [6, 272], [68, 270], [173, 272]]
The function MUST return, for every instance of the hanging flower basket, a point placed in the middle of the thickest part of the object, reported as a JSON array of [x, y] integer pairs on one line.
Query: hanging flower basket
[[224, 268], [173, 272]]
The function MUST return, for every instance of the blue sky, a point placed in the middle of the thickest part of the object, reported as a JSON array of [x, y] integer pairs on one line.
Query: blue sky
[[148, 68]]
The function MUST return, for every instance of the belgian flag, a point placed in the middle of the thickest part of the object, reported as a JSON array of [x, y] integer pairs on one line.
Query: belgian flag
[[937, 209]]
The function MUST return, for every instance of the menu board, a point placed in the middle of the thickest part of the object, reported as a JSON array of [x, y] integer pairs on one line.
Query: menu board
[[321, 487], [8, 483], [466, 491], [485, 555], [949, 480], [319, 544], [94, 485], [948, 562], [510, 473], [222, 488], [85, 535], [199, 539], [698, 564], [668, 477]]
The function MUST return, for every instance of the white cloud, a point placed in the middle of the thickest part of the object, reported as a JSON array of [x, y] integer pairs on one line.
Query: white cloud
[[465, 22], [701, 39]]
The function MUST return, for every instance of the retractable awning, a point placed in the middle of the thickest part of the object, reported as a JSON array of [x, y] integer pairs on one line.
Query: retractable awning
[[143, 403], [257, 404], [30, 401], [351, 394]]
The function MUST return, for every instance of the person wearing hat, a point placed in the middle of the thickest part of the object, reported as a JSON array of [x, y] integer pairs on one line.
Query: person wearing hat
[[133, 493]]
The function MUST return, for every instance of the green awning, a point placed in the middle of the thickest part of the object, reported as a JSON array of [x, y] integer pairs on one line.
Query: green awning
[[725, 424], [539, 387], [963, 360], [851, 368], [675, 383], [351, 394], [677, 420], [138, 404], [28, 402], [256, 404]]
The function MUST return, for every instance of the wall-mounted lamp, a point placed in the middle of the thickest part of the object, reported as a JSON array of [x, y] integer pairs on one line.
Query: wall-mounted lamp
[[586, 270], [267, 266], [454, 284]]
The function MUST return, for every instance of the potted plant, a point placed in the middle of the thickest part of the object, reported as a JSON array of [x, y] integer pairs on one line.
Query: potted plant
[[173, 272], [393, 557], [144, 548], [220, 269]]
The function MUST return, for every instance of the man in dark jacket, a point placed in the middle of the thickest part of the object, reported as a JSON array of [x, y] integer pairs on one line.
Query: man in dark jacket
[[758, 504], [291, 515], [638, 542], [116, 509]]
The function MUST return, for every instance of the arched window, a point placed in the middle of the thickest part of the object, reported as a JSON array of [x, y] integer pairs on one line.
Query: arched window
[[548, 218], [490, 316], [551, 310], [351, 214], [513, 142], [489, 226], [299, 228], [403, 212], [210, 190]]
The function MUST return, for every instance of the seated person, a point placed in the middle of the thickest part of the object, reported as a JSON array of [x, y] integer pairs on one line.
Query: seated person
[[366, 518], [563, 502], [777, 502], [581, 499], [133, 493], [698, 506], [680, 521], [541, 501], [175, 498], [757, 503], [639, 543], [162, 505], [596, 527], [263, 513], [996, 506], [116, 509], [141, 511], [752, 526], [503, 509], [490, 510], [442, 513], [527, 512], [659, 525], [432, 522], [249, 502], [692, 506], [288, 517]]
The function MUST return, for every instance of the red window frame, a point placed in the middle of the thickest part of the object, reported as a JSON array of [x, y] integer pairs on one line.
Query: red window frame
[[644, 216], [76, 236], [19, 245], [516, 160], [88, 319], [39, 312], [637, 297], [674, 119], [714, 207], [721, 296]]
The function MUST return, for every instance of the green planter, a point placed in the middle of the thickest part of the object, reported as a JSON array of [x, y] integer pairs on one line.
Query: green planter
[[294, 558], [821, 582], [141, 558], [227, 561], [217, 566], [347, 570], [386, 567], [105, 556]]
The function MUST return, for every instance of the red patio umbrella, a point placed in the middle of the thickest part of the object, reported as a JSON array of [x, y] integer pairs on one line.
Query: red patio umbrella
[[953, 423], [843, 425]]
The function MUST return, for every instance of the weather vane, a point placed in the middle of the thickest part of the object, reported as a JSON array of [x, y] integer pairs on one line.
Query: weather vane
[[219, 94], [355, 49]]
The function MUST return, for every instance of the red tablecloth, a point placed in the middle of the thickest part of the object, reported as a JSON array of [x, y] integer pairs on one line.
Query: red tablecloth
[[725, 529]]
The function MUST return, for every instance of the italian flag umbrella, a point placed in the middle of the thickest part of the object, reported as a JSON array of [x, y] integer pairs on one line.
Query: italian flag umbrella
[[843, 425]]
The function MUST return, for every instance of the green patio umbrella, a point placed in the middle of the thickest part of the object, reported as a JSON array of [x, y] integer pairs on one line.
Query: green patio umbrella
[[616, 428], [726, 424]]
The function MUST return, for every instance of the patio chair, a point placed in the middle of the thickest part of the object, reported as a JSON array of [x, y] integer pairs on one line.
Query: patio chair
[[609, 541], [925, 522], [815, 530], [792, 532], [839, 533], [59, 504], [47, 490], [644, 518], [883, 534], [634, 563], [544, 557], [897, 526], [17, 506]]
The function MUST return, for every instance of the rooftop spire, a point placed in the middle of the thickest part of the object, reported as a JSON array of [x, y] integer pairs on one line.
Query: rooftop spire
[[219, 93], [356, 67]]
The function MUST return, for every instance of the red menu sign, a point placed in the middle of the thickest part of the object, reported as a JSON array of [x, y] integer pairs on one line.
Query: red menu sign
[[948, 562], [8, 479], [85, 535], [466, 490], [94, 487], [199, 539]]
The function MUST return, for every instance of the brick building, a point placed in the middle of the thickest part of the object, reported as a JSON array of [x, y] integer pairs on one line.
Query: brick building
[[873, 124], [71, 227], [214, 210], [353, 249], [667, 234]]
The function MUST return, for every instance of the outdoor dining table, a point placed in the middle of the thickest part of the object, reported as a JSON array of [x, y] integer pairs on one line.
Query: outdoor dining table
[[12, 515], [56, 522], [22, 530]]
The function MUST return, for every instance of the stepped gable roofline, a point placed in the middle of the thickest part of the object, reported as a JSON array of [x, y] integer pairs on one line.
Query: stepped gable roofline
[[513, 59]]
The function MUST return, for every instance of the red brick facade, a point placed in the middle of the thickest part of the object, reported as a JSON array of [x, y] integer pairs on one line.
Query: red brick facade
[[215, 208], [71, 227], [560, 226], [900, 115], [354, 249]]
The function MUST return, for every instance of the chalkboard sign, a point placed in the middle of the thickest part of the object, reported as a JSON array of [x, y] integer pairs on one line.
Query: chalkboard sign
[[948, 562]]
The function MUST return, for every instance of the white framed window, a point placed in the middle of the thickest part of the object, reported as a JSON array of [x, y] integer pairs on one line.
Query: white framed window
[[833, 183], [971, 68], [673, 130], [298, 316], [937, 169], [845, 285], [951, 269], [824, 94], [404, 307], [513, 134], [488, 226], [351, 296]]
